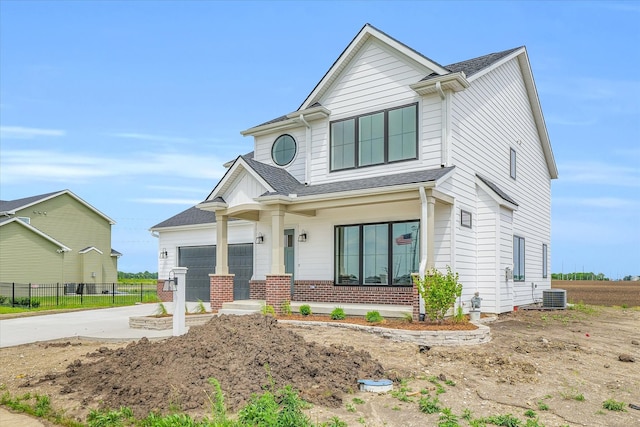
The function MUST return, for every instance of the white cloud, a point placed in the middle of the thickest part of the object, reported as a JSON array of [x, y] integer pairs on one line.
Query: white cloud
[[45, 165], [19, 132], [149, 137], [598, 202], [166, 201], [593, 172], [178, 189]]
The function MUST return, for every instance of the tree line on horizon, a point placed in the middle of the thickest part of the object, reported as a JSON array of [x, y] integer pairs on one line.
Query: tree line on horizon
[[586, 276], [145, 275]]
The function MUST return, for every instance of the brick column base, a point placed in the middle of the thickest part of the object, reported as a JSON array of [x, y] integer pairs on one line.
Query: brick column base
[[221, 289], [165, 296], [278, 290]]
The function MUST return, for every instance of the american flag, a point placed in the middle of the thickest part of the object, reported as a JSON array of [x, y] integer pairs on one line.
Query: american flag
[[404, 239]]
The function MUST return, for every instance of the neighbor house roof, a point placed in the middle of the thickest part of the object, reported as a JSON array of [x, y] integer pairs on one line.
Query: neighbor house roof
[[9, 207]]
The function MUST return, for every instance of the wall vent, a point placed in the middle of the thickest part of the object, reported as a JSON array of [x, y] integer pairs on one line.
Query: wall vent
[[554, 298]]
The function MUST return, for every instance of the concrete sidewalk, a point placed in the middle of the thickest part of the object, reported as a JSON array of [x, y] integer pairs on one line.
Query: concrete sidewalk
[[105, 324]]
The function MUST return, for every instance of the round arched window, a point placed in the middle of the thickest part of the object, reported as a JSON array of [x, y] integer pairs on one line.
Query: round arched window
[[283, 150]]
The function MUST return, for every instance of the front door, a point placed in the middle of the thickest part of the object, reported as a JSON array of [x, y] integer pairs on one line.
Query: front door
[[289, 254]]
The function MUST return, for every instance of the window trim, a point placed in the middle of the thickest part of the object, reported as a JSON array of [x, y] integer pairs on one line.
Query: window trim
[[469, 215], [513, 162], [390, 241], [520, 244], [356, 144], [295, 150], [545, 255]]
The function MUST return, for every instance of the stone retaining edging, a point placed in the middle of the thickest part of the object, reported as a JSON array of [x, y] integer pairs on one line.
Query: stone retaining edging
[[161, 323], [481, 335]]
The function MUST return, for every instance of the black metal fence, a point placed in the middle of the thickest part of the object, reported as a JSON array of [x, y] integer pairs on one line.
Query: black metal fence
[[34, 295]]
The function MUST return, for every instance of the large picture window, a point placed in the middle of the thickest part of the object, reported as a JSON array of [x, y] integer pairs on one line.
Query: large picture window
[[373, 139], [380, 254], [518, 259]]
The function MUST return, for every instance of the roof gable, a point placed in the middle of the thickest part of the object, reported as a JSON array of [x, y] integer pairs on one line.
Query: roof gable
[[11, 206], [33, 229], [242, 173], [367, 32]]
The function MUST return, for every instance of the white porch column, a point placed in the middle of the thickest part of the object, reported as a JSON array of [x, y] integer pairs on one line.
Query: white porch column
[[277, 241], [222, 247], [179, 323], [427, 231]]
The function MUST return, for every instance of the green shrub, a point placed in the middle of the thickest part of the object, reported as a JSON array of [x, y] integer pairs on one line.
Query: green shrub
[[374, 317], [2, 299], [338, 314], [200, 308], [305, 310], [439, 292]]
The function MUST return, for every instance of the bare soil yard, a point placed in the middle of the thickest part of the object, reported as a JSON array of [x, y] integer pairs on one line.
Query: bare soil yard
[[601, 292], [560, 364]]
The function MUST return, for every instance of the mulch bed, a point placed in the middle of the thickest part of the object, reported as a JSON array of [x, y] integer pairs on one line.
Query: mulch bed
[[447, 325]]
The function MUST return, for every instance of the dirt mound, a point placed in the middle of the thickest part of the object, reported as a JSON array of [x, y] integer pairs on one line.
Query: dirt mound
[[241, 352]]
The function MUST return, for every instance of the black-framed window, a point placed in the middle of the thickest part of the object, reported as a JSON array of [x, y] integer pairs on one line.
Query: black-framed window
[[545, 251], [373, 139], [465, 218], [283, 150], [512, 163], [518, 259], [377, 254]]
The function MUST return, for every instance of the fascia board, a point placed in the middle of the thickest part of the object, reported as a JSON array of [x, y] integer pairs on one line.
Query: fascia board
[[353, 47], [496, 197], [452, 81], [38, 232], [230, 174], [203, 226], [293, 121]]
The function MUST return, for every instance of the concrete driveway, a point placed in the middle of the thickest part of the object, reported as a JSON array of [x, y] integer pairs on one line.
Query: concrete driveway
[[101, 324]]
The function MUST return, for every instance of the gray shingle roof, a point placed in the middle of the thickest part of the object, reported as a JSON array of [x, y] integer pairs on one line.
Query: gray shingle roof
[[497, 190], [12, 205], [284, 183], [472, 66], [191, 216]]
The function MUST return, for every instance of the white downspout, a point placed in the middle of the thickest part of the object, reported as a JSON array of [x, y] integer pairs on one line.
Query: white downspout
[[444, 127], [308, 151], [423, 232]]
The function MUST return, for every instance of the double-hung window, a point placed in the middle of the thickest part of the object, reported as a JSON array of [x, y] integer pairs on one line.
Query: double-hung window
[[380, 254], [373, 139], [518, 259]]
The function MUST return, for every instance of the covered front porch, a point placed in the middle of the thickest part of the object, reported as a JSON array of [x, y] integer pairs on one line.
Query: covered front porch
[[296, 257]]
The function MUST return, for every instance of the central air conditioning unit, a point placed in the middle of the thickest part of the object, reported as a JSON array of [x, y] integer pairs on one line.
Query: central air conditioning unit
[[554, 298]]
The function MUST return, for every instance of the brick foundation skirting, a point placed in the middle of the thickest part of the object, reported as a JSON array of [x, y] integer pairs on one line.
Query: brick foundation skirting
[[326, 291]]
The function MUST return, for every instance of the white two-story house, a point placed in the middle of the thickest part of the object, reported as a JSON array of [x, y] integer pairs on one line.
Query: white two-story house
[[393, 165]]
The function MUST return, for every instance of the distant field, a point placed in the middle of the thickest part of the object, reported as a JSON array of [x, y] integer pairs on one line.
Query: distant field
[[600, 293]]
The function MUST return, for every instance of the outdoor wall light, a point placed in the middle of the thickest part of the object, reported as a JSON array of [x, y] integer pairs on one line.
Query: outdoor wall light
[[171, 284], [260, 239], [302, 237], [164, 253]]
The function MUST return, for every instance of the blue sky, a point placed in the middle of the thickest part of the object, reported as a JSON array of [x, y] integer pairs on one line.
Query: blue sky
[[134, 106]]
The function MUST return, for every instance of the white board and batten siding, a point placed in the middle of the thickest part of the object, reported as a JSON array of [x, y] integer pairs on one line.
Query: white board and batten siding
[[243, 190], [201, 235], [489, 119]]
